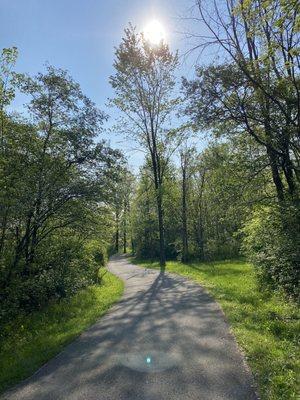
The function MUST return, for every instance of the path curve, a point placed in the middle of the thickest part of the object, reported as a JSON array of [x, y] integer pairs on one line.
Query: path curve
[[166, 339]]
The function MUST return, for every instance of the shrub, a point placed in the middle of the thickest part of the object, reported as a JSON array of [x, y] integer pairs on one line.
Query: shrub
[[61, 269], [272, 242]]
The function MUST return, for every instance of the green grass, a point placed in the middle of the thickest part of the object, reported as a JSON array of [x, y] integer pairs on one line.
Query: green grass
[[266, 326], [37, 337]]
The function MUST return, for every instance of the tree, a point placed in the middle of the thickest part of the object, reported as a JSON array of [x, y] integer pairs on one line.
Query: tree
[[7, 91], [252, 91], [8, 59], [206, 204], [256, 85], [197, 206], [144, 211], [128, 184], [55, 194], [187, 155], [143, 84], [144, 214], [122, 189], [66, 123]]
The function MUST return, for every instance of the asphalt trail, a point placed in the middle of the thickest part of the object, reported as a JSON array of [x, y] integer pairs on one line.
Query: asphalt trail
[[166, 339]]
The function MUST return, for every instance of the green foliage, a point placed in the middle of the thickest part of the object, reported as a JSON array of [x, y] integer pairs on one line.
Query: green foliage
[[97, 255], [144, 216], [55, 192], [144, 220], [8, 59], [144, 83], [60, 270], [250, 96], [253, 88], [272, 242], [121, 194], [266, 325], [30, 340], [222, 187]]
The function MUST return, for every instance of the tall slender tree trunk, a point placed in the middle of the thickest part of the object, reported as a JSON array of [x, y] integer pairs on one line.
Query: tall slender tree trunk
[[288, 170], [124, 240], [130, 229], [117, 234], [185, 249], [159, 202], [3, 231], [275, 174], [162, 254], [200, 238], [273, 157]]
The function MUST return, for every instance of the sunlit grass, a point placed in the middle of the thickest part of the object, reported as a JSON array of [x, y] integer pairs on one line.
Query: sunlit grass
[[266, 326], [37, 337]]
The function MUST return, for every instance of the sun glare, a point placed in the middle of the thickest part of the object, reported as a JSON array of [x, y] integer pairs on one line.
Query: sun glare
[[154, 32]]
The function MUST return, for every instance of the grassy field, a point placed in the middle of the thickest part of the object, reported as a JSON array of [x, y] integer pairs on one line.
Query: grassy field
[[36, 338], [266, 327]]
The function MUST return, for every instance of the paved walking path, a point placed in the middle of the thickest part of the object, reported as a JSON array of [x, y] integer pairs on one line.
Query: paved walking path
[[166, 339]]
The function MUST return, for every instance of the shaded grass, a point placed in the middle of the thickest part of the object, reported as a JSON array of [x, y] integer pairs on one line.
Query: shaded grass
[[37, 337], [266, 325]]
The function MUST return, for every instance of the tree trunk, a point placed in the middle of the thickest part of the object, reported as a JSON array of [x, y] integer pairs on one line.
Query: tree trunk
[[3, 231], [124, 241], [117, 233], [184, 218], [275, 174], [273, 157], [130, 229], [200, 233], [30, 254], [288, 170], [125, 229], [162, 255], [158, 190]]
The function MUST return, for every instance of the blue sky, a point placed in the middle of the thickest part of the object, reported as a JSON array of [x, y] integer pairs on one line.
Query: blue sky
[[80, 36]]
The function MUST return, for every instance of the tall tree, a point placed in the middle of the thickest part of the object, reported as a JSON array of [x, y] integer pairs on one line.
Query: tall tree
[[144, 83], [256, 84], [8, 59]]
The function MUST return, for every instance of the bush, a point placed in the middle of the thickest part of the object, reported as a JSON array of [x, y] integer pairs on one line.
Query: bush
[[62, 268], [272, 242]]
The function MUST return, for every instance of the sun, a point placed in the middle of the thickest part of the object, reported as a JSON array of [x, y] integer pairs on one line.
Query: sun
[[154, 32]]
